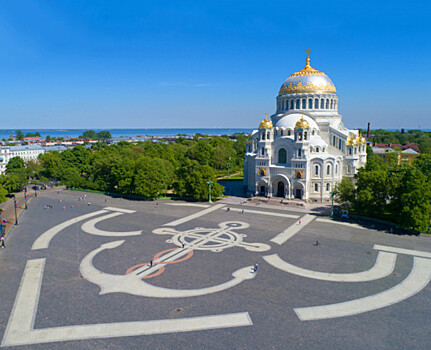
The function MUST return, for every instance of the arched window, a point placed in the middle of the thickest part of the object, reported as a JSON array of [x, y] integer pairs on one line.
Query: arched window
[[327, 104], [316, 170], [268, 136], [304, 103], [339, 144], [305, 135], [316, 104], [350, 151], [323, 149], [263, 151], [299, 153], [322, 103], [349, 169], [336, 168], [291, 104], [316, 187], [328, 187], [300, 136], [317, 149], [332, 103], [328, 170], [298, 104], [313, 132], [310, 104], [287, 105], [288, 132], [262, 172], [282, 156], [263, 135], [333, 141]]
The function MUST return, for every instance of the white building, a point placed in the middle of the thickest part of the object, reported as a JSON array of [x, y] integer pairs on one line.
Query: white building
[[304, 150], [30, 152]]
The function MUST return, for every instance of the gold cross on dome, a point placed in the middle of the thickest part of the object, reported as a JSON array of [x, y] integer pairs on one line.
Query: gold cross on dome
[[307, 60]]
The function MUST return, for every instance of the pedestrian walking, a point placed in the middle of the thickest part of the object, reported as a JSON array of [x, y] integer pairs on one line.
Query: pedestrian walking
[[64, 207], [151, 263], [242, 211], [255, 268], [2, 244], [299, 222]]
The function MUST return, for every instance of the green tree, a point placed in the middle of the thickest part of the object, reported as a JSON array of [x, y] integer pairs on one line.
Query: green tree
[[48, 138], [423, 163], [153, 176], [3, 193], [345, 192], [374, 162], [19, 135], [193, 178], [371, 191], [88, 134], [104, 135], [52, 165], [410, 199], [14, 164]]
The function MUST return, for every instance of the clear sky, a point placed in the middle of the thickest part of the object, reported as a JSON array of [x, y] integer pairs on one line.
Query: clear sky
[[196, 64]]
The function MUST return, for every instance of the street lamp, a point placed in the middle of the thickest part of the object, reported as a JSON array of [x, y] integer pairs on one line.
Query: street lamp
[[228, 169], [25, 197], [15, 204], [333, 194], [210, 184]]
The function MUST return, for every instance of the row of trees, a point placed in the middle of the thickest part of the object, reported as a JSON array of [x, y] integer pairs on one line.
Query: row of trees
[[401, 193], [147, 169]]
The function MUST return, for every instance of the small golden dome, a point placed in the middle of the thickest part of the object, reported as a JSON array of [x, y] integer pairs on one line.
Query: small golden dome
[[302, 124], [351, 141], [265, 124], [361, 139]]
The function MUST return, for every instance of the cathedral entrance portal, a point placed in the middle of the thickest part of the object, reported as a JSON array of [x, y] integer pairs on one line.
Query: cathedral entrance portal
[[280, 189]]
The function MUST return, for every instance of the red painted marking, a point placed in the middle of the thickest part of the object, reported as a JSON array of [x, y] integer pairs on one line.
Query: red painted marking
[[162, 269]]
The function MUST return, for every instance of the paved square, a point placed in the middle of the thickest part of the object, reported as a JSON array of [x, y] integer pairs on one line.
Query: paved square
[[132, 275]]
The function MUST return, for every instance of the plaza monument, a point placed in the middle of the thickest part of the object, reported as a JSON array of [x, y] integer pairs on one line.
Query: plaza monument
[[305, 149]]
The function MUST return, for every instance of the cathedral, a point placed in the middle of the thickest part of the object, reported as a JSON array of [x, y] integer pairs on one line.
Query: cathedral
[[304, 150]]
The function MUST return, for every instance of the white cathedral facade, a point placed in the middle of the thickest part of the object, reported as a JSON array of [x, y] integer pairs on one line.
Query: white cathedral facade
[[304, 150]]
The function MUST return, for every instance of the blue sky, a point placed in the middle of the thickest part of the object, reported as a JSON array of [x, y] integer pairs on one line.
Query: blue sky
[[196, 64]]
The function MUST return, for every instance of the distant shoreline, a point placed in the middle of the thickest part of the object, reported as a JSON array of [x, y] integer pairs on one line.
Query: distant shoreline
[[133, 132]]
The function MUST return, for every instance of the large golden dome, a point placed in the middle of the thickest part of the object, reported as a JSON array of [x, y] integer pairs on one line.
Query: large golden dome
[[265, 124], [307, 80]]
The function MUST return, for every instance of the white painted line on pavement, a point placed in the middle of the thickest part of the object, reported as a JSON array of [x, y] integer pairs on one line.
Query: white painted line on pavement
[[42, 242], [248, 211], [402, 251], [90, 227], [126, 211], [329, 221], [417, 280], [384, 266], [20, 329], [293, 229], [188, 205], [195, 215]]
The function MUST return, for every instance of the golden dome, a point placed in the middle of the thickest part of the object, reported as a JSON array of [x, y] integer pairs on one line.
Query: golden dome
[[351, 141], [302, 124], [265, 124], [361, 139], [307, 80]]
